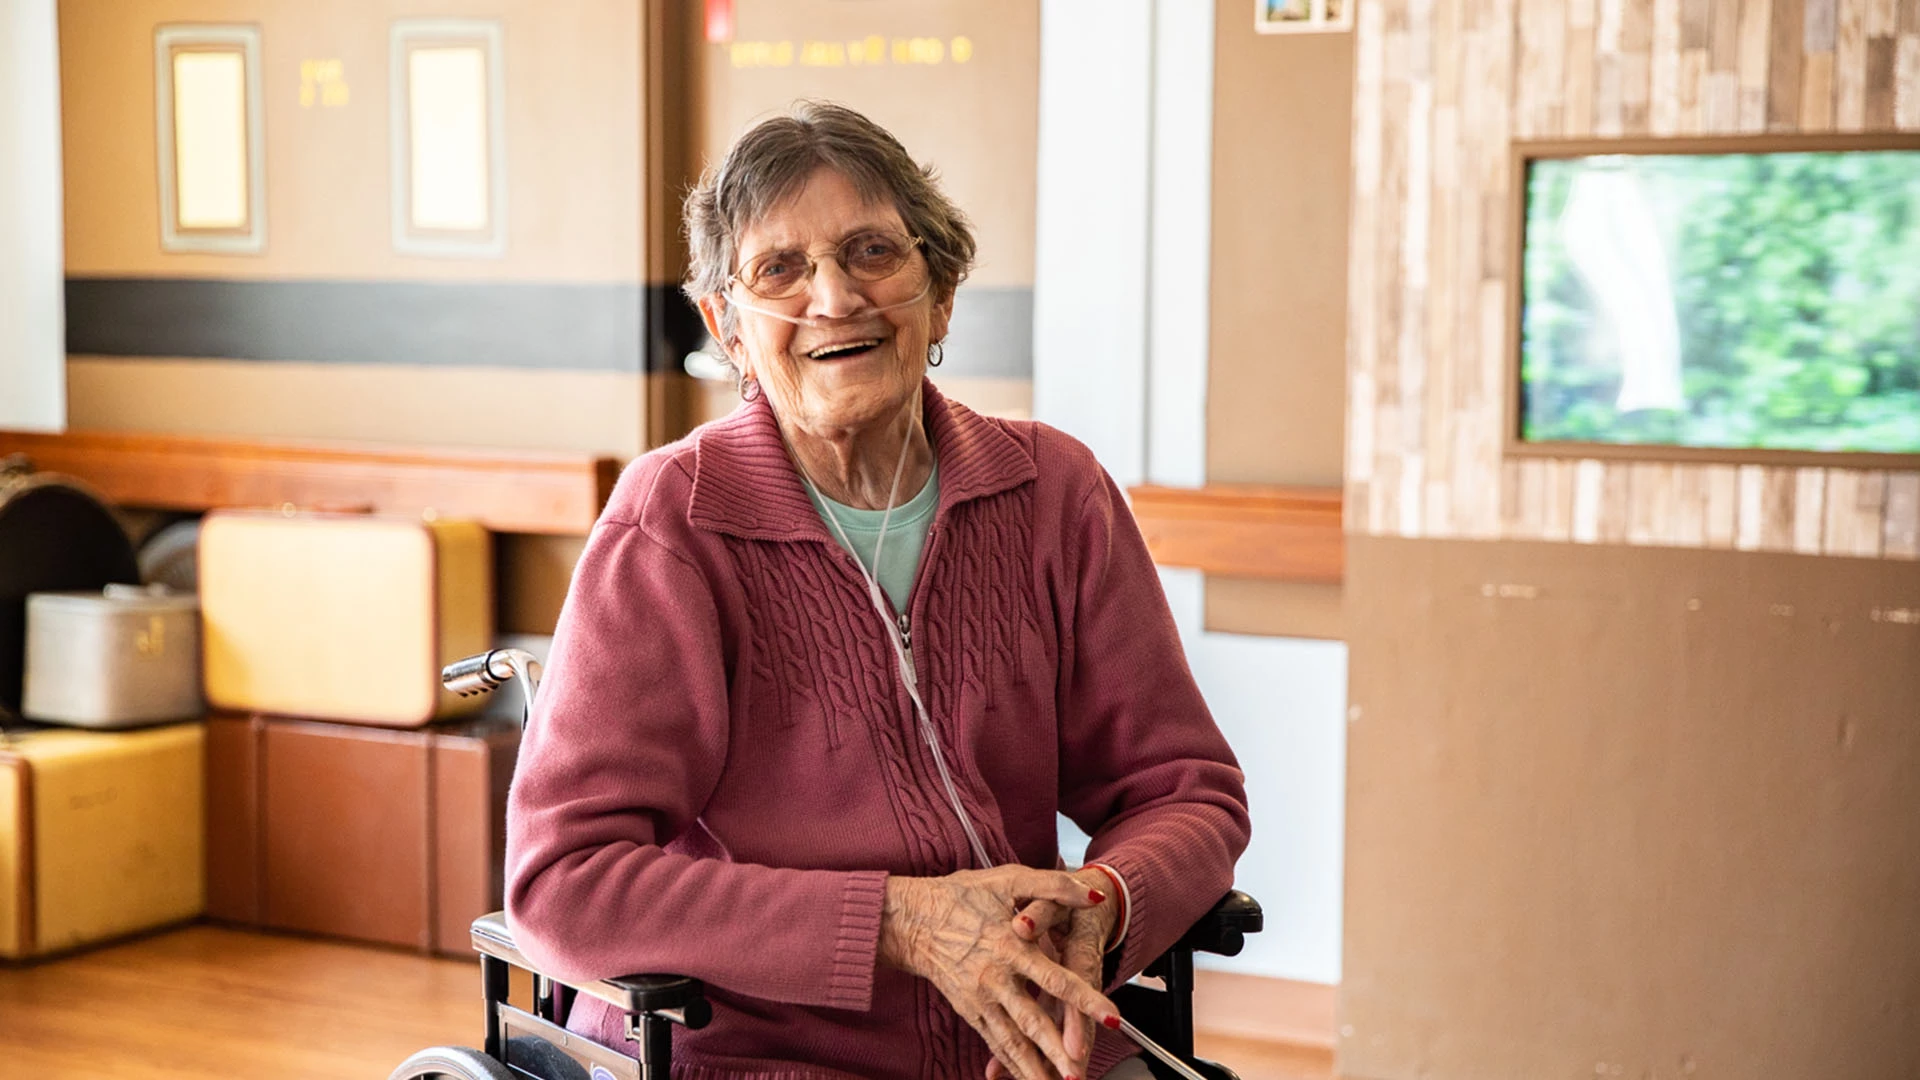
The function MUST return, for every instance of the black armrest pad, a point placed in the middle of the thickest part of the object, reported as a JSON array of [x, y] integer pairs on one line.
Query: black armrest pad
[[633, 993], [651, 993], [1224, 929]]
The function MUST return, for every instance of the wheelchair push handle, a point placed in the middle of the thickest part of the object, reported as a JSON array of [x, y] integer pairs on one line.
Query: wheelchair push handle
[[483, 672]]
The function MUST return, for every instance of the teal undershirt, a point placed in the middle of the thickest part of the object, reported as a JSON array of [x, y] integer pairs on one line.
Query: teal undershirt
[[906, 536]]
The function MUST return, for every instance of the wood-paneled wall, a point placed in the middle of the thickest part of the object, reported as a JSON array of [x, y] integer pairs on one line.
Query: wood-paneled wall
[[1442, 87]]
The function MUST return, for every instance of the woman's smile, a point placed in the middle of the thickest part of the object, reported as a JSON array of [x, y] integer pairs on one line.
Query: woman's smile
[[845, 348]]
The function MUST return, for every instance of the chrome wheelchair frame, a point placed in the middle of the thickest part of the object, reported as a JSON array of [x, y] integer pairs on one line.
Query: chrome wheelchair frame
[[535, 1045]]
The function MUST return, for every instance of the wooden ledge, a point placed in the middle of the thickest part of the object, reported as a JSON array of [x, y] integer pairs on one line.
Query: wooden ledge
[[507, 491], [1276, 533]]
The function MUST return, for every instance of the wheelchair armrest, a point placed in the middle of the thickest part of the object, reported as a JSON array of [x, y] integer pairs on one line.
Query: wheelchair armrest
[[629, 993], [1224, 930]]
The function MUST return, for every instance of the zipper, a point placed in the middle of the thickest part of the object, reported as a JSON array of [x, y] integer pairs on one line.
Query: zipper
[[906, 648]]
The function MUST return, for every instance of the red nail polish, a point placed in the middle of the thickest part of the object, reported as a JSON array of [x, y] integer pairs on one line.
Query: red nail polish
[[1112, 1022], [1096, 896], [1026, 922]]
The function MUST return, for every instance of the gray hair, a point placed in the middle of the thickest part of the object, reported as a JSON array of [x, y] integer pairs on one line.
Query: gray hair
[[771, 162]]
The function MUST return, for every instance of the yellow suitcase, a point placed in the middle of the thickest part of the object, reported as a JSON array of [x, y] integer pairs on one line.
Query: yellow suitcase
[[101, 834], [345, 617]]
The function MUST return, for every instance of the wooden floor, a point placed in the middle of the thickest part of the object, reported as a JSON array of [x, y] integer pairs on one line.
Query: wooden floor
[[205, 1003]]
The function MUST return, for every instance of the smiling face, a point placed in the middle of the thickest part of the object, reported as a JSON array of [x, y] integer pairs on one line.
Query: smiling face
[[858, 358]]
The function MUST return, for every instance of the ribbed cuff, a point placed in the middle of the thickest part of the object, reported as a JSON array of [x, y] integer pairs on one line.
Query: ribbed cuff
[[1127, 957], [857, 942]]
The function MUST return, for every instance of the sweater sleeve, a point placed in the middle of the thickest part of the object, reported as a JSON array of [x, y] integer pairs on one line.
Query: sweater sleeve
[[1144, 769], [627, 743]]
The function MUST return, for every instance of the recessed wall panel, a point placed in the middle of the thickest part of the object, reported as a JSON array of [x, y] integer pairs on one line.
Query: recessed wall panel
[[448, 132], [208, 129]]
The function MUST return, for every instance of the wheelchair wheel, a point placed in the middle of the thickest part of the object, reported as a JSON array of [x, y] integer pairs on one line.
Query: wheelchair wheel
[[450, 1063]]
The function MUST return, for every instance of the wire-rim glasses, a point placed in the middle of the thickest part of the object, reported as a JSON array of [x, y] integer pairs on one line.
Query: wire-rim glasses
[[870, 256]]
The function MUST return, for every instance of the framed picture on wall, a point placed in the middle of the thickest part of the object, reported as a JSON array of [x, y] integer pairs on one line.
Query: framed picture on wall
[[1752, 299], [1302, 16]]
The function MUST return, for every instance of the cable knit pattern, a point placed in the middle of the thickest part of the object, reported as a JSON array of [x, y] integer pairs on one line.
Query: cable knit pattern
[[723, 767]]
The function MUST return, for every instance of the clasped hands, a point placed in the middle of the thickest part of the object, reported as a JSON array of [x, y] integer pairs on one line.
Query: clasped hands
[[1018, 954]]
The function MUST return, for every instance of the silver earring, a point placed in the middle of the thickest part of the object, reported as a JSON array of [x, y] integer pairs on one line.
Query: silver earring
[[749, 389], [936, 352]]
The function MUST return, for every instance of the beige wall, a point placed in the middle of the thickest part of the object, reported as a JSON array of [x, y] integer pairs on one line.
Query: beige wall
[[573, 129], [486, 407], [1276, 369], [1640, 813], [1441, 92], [1276, 373], [573, 90]]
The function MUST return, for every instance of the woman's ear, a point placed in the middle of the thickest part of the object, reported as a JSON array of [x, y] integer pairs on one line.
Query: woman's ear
[[711, 308], [938, 320]]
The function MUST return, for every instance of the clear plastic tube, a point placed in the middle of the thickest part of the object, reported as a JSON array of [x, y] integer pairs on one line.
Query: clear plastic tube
[[911, 681], [902, 655], [821, 320]]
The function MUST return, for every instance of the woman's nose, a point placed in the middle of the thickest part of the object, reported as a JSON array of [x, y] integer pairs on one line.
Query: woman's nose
[[835, 294]]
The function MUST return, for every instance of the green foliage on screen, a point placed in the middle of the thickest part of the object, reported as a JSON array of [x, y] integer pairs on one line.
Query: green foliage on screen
[[1794, 281]]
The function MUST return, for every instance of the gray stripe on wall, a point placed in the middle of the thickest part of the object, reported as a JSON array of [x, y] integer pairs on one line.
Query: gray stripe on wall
[[471, 324], [576, 327]]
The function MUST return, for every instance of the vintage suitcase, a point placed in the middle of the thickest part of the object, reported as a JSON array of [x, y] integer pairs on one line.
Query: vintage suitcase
[[54, 535], [344, 617], [397, 837], [101, 834], [122, 657]]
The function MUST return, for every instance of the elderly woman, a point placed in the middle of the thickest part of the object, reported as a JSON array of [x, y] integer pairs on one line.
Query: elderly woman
[[830, 666]]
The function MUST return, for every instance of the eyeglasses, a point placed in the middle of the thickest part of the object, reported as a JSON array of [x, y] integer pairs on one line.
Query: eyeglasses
[[871, 256]]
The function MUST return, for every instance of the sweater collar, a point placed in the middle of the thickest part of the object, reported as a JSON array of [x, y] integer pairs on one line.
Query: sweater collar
[[745, 485]]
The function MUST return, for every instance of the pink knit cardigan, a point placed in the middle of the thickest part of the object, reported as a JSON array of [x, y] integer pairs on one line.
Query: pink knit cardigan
[[723, 768]]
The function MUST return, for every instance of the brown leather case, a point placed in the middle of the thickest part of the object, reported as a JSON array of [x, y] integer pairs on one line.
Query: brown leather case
[[396, 837]]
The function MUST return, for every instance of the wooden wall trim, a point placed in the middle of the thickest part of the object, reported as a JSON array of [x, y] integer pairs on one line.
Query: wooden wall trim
[[1275, 533], [505, 490]]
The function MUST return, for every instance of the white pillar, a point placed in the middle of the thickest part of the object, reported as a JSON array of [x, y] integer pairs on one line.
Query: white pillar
[[1090, 229], [1181, 236], [33, 355]]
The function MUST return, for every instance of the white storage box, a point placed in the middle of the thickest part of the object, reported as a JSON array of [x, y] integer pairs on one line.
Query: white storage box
[[113, 659]]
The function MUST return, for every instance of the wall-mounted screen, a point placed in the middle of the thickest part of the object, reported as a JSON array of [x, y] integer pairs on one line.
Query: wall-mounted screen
[[1759, 300]]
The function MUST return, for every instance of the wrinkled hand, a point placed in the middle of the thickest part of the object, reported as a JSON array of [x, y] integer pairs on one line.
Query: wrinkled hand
[[1078, 936], [958, 932]]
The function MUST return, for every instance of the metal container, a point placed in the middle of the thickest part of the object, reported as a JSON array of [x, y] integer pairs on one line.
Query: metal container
[[55, 535], [119, 658]]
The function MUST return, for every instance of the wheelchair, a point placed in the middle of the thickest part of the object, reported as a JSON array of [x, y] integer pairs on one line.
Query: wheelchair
[[537, 1046]]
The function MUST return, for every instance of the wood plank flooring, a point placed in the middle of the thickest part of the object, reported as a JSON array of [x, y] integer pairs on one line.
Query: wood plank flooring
[[207, 1003]]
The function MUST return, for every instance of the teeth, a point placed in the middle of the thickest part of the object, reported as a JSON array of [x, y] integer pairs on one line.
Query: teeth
[[844, 346]]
